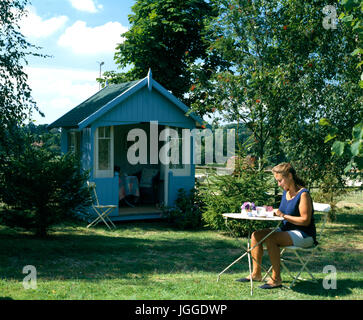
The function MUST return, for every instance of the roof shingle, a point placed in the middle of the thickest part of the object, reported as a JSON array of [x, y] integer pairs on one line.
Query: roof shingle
[[72, 118]]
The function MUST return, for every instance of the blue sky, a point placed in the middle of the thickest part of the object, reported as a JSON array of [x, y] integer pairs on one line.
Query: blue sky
[[78, 34]]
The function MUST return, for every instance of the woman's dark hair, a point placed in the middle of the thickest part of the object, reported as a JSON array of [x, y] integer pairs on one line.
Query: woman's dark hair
[[285, 168]]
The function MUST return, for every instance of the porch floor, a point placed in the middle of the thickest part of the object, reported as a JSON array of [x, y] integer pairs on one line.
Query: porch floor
[[138, 209], [137, 213]]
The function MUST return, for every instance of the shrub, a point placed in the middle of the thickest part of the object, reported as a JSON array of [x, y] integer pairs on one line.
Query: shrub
[[223, 194], [186, 213], [40, 189]]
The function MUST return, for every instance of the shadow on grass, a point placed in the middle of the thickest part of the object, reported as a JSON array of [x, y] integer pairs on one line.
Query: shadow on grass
[[344, 287], [126, 254], [135, 252]]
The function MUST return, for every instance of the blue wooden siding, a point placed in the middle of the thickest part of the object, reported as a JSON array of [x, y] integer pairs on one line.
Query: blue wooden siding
[[142, 106], [146, 106], [179, 182], [107, 191], [64, 140], [86, 147]]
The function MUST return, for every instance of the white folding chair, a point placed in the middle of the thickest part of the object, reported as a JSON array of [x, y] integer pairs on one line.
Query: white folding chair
[[102, 211], [308, 252]]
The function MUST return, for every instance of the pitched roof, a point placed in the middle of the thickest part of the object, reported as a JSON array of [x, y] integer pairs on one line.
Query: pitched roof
[[91, 105], [104, 100]]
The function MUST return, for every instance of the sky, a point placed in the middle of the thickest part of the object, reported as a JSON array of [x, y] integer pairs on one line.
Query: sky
[[78, 35]]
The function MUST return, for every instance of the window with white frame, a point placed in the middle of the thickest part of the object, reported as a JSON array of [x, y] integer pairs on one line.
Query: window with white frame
[[74, 138], [104, 152], [181, 144]]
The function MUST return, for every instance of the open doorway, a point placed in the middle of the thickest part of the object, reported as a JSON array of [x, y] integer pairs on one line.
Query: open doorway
[[141, 185]]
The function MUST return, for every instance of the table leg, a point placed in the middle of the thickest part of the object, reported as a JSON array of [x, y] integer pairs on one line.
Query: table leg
[[128, 203], [235, 261], [249, 249], [249, 260]]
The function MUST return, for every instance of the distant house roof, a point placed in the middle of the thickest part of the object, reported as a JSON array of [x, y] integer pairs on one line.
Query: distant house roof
[[107, 98]]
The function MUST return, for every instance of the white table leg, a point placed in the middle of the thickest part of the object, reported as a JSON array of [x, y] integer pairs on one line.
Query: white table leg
[[249, 260], [249, 249]]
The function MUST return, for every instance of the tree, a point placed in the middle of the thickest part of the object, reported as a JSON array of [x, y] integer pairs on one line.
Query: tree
[[352, 16], [168, 37], [350, 149], [251, 90], [287, 72], [49, 139], [15, 94], [40, 188]]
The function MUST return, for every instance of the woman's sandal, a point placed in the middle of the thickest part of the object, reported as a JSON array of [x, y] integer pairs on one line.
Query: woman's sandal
[[269, 286], [247, 280]]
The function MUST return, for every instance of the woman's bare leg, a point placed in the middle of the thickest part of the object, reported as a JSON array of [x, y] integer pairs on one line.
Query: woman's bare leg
[[257, 252], [273, 243]]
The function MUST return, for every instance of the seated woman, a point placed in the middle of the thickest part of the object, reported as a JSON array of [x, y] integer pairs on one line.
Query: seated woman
[[298, 227]]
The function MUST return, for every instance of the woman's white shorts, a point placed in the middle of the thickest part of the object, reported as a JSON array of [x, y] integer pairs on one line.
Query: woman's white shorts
[[298, 239]]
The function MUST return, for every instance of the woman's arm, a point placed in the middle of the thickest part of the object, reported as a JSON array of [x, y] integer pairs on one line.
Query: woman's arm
[[305, 208]]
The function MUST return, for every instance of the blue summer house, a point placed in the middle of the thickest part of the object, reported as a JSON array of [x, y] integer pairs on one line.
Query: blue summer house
[[123, 137]]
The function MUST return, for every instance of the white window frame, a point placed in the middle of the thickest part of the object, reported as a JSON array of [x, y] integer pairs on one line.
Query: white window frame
[[184, 169], [75, 136], [109, 172]]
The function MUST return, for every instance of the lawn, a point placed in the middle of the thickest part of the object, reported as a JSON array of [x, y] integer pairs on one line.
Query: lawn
[[151, 260]]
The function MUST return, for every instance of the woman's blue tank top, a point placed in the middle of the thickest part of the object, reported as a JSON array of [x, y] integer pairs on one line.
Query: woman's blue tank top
[[291, 207]]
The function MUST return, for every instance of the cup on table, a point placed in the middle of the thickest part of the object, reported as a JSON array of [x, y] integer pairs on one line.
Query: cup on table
[[269, 214], [261, 211]]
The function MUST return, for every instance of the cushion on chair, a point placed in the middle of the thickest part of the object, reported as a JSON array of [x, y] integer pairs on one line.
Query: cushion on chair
[[147, 176], [321, 207]]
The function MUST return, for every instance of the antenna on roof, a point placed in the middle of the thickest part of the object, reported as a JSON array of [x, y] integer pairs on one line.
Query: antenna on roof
[[101, 64], [149, 79]]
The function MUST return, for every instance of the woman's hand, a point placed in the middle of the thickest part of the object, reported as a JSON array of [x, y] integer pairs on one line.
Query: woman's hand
[[279, 213]]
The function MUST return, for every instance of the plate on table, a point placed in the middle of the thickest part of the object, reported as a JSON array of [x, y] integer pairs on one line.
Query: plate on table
[[262, 215]]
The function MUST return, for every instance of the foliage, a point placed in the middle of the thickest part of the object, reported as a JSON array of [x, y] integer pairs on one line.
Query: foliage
[[168, 37], [40, 188], [243, 143], [352, 16], [186, 213], [47, 139], [250, 91], [223, 194], [15, 94], [351, 149], [287, 73]]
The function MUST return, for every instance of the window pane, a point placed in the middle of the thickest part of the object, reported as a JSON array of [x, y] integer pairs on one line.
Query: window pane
[[177, 160], [101, 132], [107, 132], [104, 154], [72, 142]]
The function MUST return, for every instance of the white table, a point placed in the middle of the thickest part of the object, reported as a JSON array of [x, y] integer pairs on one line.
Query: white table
[[239, 216]]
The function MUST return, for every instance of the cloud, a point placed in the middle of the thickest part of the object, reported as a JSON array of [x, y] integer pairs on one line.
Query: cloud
[[57, 91], [86, 5], [34, 26], [82, 39]]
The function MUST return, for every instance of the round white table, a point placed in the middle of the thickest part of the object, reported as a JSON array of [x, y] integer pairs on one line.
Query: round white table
[[240, 216]]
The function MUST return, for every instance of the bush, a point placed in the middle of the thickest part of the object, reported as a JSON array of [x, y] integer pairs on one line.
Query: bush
[[223, 194], [186, 213], [40, 189]]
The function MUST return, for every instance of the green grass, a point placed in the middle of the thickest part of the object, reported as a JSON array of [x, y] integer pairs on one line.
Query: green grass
[[154, 261]]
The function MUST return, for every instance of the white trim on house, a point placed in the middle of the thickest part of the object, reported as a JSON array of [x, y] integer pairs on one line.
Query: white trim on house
[[164, 173], [184, 142], [104, 173]]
